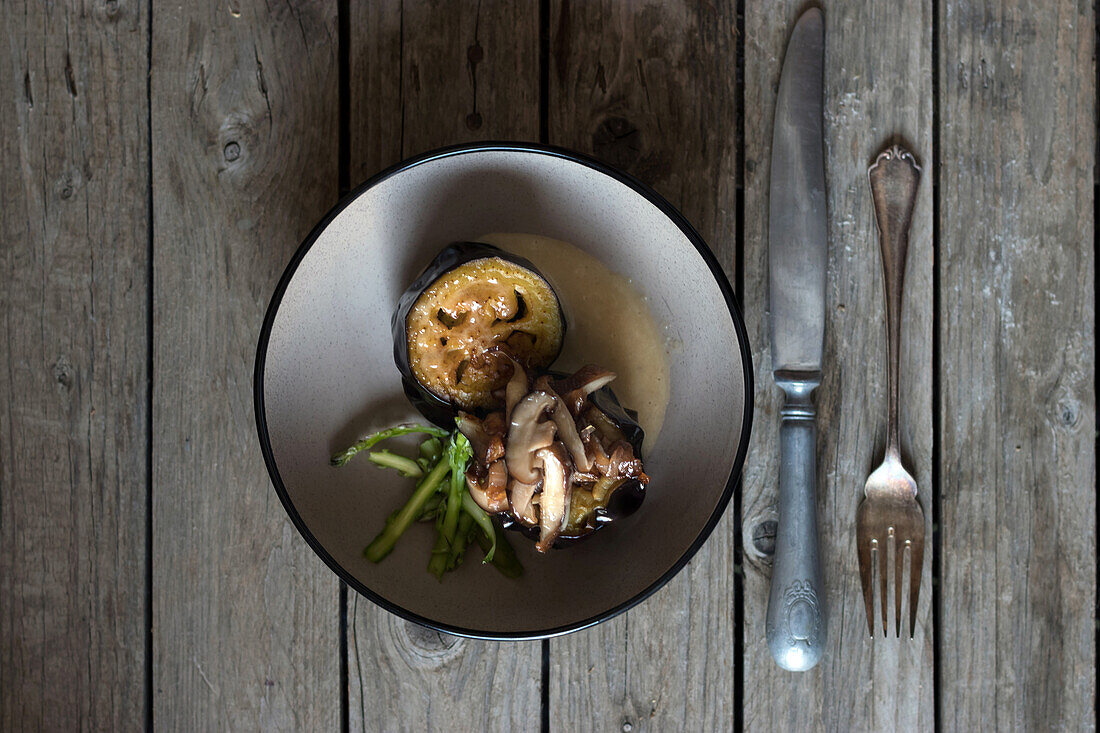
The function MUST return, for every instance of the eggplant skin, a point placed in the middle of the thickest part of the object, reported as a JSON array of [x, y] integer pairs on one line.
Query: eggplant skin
[[627, 420], [467, 383]]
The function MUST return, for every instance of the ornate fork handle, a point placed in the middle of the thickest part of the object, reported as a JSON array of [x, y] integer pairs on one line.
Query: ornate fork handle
[[894, 178]]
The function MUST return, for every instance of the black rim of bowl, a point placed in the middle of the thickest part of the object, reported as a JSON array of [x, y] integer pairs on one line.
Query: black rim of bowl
[[716, 271]]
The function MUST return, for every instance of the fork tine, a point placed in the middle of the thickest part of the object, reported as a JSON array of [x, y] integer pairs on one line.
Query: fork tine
[[866, 581], [883, 566], [916, 566], [899, 561]]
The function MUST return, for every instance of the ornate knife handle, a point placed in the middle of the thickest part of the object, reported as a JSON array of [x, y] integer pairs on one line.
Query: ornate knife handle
[[796, 614]]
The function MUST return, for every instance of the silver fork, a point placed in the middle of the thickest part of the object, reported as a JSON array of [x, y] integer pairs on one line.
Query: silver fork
[[890, 520]]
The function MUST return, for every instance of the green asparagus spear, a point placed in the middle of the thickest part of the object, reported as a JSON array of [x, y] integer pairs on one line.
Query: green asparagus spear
[[458, 518], [396, 525], [457, 456], [431, 450], [462, 540], [504, 559], [431, 508], [346, 455], [407, 467], [479, 515]]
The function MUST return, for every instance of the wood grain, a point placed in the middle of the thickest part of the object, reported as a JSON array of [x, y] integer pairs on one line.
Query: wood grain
[[878, 77], [73, 341], [244, 156], [434, 73], [651, 89], [244, 123], [423, 75], [1017, 374]]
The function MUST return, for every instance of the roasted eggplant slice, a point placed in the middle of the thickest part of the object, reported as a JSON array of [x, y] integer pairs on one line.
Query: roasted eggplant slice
[[457, 325]]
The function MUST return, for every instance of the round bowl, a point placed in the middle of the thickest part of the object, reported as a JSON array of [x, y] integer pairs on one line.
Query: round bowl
[[325, 375]]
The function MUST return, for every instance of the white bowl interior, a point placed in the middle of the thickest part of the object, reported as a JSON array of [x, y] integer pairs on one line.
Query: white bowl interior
[[329, 376]]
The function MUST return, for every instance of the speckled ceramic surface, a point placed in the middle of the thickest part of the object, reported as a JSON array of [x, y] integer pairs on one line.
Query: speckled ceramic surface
[[325, 375]]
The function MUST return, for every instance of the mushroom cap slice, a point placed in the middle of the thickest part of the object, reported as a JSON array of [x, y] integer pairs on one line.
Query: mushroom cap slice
[[491, 492], [488, 445], [527, 435], [554, 500], [521, 497], [567, 428], [574, 389], [567, 433], [515, 389]]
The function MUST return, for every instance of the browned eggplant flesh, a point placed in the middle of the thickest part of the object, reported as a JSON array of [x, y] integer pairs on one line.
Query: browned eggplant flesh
[[474, 308]]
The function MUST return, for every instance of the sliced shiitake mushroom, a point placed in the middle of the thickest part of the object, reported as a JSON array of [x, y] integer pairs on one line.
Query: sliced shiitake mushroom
[[554, 499], [486, 436], [528, 434], [574, 389], [521, 497], [589, 445], [491, 491]]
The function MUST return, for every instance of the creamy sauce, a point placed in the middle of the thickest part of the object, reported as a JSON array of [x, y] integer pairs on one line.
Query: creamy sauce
[[607, 323]]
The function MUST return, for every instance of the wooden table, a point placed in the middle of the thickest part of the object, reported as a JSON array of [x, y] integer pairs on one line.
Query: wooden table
[[162, 160]]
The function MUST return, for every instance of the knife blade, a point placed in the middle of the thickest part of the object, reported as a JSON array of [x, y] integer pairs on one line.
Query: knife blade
[[797, 258], [797, 237]]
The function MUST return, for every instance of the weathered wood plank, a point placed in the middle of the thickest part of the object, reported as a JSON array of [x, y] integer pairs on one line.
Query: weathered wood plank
[[878, 79], [1018, 460], [651, 89], [424, 75], [244, 108], [73, 342], [428, 74]]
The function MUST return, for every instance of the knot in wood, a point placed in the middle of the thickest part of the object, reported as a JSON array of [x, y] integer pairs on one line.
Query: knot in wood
[[763, 537], [63, 373], [68, 183], [428, 643], [1067, 411], [617, 141], [236, 132]]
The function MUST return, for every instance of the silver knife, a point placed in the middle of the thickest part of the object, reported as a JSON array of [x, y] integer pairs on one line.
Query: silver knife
[[797, 256]]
